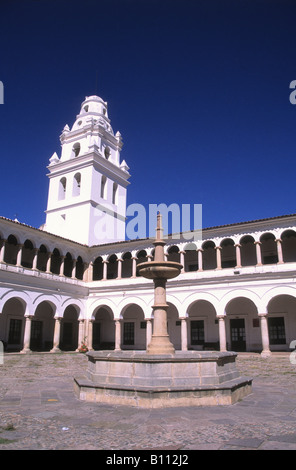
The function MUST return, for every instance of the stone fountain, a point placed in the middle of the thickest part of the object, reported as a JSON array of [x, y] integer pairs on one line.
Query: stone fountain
[[161, 376]]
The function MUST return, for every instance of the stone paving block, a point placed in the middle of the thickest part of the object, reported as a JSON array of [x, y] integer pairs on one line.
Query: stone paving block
[[276, 445], [251, 443]]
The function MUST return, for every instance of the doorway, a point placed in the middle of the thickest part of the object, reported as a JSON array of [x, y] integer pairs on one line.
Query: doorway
[[238, 334]]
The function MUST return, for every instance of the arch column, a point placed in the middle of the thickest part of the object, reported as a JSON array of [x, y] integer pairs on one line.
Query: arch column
[[264, 335], [222, 333], [35, 259], [134, 266], [148, 331], [258, 253], [2, 250], [27, 335], [90, 334], [279, 250], [62, 266], [199, 257], [218, 257], [238, 255], [19, 255], [56, 335], [117, 335], [73, 274], [182, 261], [184, 334], [119, 268], [105, 263], [48, 263], [88, 271], [80, 333]]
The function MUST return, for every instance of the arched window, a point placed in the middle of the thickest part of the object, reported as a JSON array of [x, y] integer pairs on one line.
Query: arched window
[[27, 254], [11, 250], [114, 193], [268, 249], [75, 150], [289, 245], [62, 188], [76, 184], [103, 187], [107, 152], [228, 255]]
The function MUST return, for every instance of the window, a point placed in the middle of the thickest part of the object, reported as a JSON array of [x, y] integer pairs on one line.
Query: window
[[103, 187], [129, 333], [76, 184], [276, 329], [114, 193], [107, 152], [15, 328], [62, 188], [197, 332], [75, 149]]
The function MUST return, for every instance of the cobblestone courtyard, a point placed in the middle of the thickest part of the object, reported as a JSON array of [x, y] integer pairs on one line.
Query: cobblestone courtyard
[[38, 410]]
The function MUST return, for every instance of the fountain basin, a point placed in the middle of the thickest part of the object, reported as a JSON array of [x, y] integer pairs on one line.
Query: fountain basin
[[186, 378], [159, 269]]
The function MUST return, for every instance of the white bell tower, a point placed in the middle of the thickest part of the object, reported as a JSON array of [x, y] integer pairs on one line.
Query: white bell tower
[[87, 184]]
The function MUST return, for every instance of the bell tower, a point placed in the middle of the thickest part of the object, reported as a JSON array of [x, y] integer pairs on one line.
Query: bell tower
[[88, 183]]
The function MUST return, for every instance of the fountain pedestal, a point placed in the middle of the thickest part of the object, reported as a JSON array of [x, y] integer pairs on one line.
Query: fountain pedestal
[[159, 376]]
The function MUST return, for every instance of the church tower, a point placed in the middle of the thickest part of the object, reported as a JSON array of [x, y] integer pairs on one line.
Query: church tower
[[87, 184]]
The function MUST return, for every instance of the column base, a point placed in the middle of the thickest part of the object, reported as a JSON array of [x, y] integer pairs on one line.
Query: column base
[[160, 345], [26, 351], [55, 350], [266, 353]]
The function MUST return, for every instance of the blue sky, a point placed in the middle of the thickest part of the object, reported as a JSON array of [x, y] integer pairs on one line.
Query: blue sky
[[199, 90]]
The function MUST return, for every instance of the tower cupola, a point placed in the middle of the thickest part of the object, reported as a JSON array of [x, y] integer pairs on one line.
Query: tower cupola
[[87, 190]]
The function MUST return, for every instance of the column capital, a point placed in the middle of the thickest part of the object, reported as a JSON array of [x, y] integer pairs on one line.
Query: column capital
[[257, 242]]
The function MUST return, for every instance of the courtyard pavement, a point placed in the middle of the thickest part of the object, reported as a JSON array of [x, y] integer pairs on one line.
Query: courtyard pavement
[[38, 410]]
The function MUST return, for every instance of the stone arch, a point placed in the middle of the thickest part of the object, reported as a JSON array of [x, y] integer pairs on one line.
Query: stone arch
[[96, 304], [22, 296], [192, 298], [281, 320], [127, 264], [236, 293], [12, 322], [42, 257], [112, 267], [248, 251], [98, 269], [133, 326], [202, 325], [173, 253], [190, 257], [268, 248], [103, 328], [28, 253], [69, 328], [42, 325], [242, 324], [228, 254], [209, 255], [11, 249], [288, 238]]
